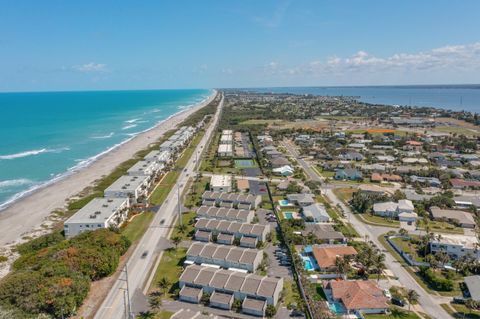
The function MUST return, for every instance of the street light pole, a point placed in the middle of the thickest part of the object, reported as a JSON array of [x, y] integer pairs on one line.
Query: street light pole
[[178, 205]]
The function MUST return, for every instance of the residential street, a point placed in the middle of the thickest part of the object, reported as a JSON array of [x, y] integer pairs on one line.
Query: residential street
[[429, 303]]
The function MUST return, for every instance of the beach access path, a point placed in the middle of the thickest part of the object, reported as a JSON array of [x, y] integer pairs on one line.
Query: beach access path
[[26, 216]]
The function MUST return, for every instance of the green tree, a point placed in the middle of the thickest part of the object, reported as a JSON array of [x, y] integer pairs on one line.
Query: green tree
[[412, 297], [164, 284], [176, 240], [270, 311]]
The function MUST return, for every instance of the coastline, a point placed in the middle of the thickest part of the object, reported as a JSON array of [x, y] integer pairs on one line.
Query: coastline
[[29, 214]]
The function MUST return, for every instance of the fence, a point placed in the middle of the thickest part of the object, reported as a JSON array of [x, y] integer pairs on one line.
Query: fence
[[405, 255]]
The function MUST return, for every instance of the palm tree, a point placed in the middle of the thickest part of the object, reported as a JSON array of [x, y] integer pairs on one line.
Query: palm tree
[[426, 239], [176, 240], [442, 258], [403, 232], [164, 284], [155, 300], [146, 315], [412, 296], [343, 265], [182, 228], [380, 265]]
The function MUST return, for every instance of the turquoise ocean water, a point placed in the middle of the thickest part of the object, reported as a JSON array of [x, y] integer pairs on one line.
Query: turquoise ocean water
[[45, 136], [453, 97]]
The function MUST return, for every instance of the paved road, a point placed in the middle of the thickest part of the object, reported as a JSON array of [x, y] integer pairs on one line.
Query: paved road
[[429, 303], [138, 267]]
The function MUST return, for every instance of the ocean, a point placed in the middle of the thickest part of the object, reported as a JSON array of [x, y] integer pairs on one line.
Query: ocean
[[452, 97], [45, 136]]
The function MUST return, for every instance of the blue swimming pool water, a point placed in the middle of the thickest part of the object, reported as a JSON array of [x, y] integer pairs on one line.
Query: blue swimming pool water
[[288, 215], [284, 202], [336, 307], [307, 264]]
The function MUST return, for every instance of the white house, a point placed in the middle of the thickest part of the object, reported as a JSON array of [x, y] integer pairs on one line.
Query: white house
[[221, 183], [285, 170], [455, 246], [126, 186], [159, 156], [98, 213], [392, 209]]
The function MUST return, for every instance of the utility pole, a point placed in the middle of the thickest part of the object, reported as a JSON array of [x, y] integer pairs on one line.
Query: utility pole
[[125, 303], [128, 303], [178, 205]]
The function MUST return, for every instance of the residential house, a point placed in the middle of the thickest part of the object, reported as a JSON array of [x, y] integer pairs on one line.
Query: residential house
[[455, 246], [326, 256], [301, 200], [458, 217], [357, 296], [316, 213], [351, 174], [392, 209]]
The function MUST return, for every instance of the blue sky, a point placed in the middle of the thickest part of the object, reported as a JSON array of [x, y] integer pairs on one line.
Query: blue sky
[[96, 45]]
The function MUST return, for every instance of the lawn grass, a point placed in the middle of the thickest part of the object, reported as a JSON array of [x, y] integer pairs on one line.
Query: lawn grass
[[164, 315], [407, 247], [439, 226], [347, 230], [137, 227], [461, 311], [188, 221], [290, 293], [163, 188], [170, 267], [377, 220], [344, 194], [456, 130], [394, 313]]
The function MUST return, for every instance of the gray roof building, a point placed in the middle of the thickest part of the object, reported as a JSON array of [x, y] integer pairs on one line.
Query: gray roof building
[[222, 213], [224, 256], [241, 285], [473, 285]]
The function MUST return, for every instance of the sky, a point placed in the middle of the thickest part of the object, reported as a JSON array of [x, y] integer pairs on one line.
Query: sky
[[101, 45]]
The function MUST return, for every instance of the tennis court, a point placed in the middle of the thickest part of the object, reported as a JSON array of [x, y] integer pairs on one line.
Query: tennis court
[[244, 163]]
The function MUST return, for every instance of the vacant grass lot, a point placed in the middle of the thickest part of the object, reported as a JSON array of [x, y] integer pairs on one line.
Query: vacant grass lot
[[137, 227], [170, 267], [344, 194]]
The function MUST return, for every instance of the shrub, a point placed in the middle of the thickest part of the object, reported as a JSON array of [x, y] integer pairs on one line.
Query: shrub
[[436, 282], [53, 276]]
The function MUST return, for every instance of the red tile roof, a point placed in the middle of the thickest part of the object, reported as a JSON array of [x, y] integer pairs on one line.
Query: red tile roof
[[357, 295], [326, 256]]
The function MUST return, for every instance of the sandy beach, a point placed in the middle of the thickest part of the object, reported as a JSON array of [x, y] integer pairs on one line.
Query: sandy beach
[[30, 215]]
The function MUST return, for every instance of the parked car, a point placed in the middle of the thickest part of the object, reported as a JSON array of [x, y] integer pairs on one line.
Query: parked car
[[458, 300], [145, 253], [398, 302], [387, 293]]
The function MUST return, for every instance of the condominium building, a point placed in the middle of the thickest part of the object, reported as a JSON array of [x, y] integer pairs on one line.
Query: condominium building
[[98, 213]]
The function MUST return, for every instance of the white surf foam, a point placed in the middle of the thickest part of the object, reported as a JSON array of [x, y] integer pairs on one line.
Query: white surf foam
[[33, 153]]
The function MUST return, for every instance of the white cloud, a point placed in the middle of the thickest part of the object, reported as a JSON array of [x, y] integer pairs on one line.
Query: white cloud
[[91, 67]]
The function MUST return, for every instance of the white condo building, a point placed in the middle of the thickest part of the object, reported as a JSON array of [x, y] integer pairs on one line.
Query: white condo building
[[98, 213]]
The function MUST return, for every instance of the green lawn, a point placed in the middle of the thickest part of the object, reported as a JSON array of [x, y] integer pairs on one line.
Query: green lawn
[[135, 229], [290, 293], [188, 221], [378, 220], [461, 311], [170, 267], [456, 130], [164, 314], [395, 313], [344, 194], [408, 247], [259, 122], [442, 227]]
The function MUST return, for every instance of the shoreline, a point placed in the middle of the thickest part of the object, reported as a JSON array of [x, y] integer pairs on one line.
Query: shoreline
[[89, 161], [29, 214]]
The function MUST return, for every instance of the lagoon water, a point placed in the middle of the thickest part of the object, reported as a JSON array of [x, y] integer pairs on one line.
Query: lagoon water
[[44, 136], [453, 97]]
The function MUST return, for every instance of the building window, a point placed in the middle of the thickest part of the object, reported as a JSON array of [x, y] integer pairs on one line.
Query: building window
[[99, 225]]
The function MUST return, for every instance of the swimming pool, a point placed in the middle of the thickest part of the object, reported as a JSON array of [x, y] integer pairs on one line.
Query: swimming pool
[[284, 202], [336, 308], [288, 215], [307, 264]]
